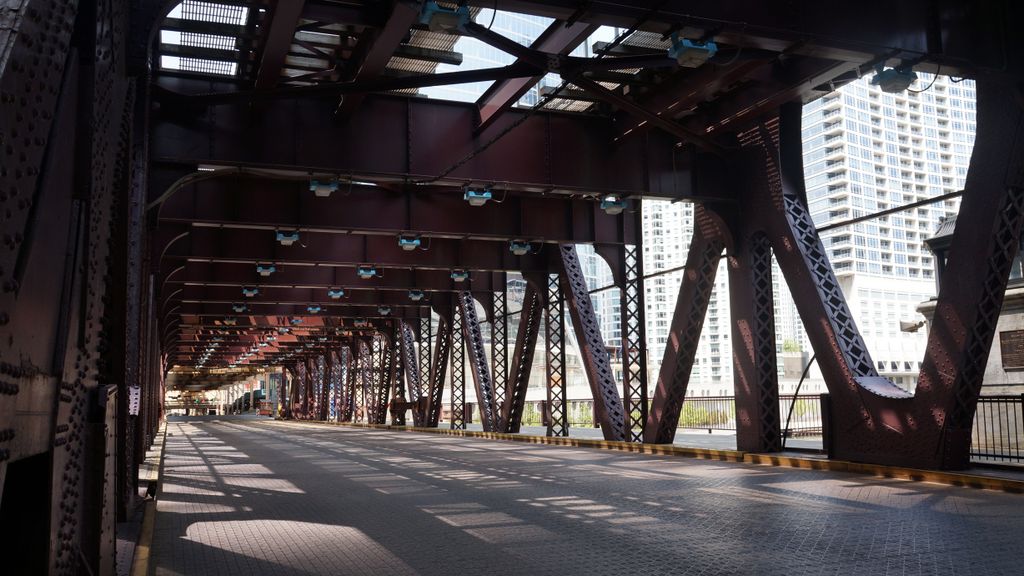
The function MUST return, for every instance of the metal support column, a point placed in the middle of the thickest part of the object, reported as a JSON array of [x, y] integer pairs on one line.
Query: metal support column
[[554, 340], [522, 360], [412, 373], [439, 368], [753, 335], [691, 304], [596, 364], [499, 354], [633, 329], [458, 363], [477, 361]]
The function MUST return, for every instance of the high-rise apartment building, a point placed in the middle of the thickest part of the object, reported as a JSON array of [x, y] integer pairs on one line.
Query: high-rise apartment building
[[866, 151]]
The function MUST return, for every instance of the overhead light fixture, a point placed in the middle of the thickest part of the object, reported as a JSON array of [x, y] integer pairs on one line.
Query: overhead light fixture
[[239, 308], [265, 269], [249, 292], [415, 295], [287, 238], [366, 272], [229, 321], [519, 247], [384, 310], [283, 330], [477, 197], [893, 80], [335, 293], [409, 242], [361, 323], [296, 321], [313, 309], [460, 275], [613, 205], [323, 189], [271, 338], [440, 19], [691, 53], [263, 344]]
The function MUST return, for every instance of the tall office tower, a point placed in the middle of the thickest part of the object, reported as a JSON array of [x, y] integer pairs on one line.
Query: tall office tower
[[865, 151]]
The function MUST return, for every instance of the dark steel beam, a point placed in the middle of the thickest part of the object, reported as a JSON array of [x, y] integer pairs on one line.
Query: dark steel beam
[[247, 201], [376, 48], [396, 279], [559, 38], [397, 139], [256, 246], [284, 18]]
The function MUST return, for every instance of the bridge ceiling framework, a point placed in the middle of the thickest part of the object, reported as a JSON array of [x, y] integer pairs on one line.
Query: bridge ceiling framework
[[198, 191]]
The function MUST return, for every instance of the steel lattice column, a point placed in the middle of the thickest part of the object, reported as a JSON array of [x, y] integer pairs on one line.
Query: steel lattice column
[[398, 370], [634, 340], [350, 361], [554, 342], [607, 403], [385, 379], [412, 373], [522, 360], [366, 373], [753, 334], [438, 369], [458, 362], [424, 354], [477, 361], [499, 353], [324, 370], [691, 304]]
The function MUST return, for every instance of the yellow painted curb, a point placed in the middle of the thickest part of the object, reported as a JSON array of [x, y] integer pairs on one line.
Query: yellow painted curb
[[144, 546], [912, 474]]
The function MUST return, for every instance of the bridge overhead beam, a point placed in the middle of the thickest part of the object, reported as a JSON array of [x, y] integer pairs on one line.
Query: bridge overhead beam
[[313, 248], [245, 274], [263, 203], [399, 140]]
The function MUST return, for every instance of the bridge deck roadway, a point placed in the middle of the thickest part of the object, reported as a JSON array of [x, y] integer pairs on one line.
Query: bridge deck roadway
[[243, 496]]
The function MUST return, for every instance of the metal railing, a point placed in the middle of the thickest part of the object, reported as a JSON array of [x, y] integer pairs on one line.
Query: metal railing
[[998, 434]]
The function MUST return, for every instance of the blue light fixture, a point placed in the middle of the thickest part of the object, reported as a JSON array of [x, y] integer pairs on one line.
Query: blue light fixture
[[335, 293], [323, 189], [893, 80], [296, 321], [239, 308], [440, 19], [313, 309], [249, 292], [366, 272], [613, 205], [384, 310], [265, 269], [415, 295], [409, 242], [460, 275], [229, 321], [519, 247], [287, 238], [477, 197], [691, 53]]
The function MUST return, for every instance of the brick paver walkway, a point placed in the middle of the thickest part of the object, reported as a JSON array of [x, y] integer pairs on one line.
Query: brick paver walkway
[[250, 496]]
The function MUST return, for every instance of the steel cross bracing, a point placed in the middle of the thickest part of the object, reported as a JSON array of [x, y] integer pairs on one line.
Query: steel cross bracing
[[522, 359], [398, 371], [596, 363], [554, 344], [411, 370], [458, 369], [478, 367], [438, 370], [424, 375], [634, 343], [499, 356]]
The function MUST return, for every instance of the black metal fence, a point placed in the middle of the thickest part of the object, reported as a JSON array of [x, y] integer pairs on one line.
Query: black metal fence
[[998, 429]]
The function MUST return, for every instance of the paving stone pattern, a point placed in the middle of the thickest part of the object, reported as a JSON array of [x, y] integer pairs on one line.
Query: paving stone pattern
[[244, 496]]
